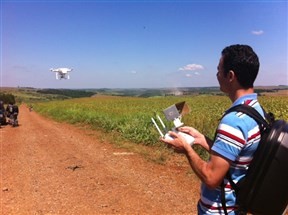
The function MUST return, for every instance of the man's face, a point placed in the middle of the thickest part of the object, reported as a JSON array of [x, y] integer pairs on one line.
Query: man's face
[[221, 76]]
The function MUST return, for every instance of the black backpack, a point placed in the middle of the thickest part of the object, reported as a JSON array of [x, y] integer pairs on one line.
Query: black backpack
[[264, 189]]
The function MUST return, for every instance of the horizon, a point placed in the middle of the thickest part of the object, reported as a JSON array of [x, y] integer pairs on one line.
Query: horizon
[[146, 88]]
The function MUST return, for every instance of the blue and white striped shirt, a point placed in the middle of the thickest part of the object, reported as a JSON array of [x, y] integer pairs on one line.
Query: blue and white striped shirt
[[237, 138]]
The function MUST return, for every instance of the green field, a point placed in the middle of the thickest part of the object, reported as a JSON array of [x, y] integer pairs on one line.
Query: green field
[[126, 116], [130, 117]]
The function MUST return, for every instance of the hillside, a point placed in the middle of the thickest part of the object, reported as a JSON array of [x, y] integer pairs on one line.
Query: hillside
[[28, 94]]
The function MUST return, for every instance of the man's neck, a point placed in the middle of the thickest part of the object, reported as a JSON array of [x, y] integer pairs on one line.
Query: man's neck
[[239, 93]]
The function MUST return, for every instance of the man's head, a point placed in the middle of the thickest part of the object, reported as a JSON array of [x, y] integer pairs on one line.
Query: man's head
[[243, 61]]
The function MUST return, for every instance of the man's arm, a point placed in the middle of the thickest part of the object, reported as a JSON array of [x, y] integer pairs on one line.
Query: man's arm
[[210, 172]]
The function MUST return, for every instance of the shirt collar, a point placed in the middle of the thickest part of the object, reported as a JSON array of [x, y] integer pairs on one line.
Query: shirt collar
[[252, 96]]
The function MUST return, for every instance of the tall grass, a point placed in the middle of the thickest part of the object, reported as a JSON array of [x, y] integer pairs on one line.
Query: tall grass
[[130, 117]]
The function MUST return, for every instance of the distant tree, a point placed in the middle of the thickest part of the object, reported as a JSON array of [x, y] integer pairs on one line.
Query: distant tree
[[67, 92], [7, 98]]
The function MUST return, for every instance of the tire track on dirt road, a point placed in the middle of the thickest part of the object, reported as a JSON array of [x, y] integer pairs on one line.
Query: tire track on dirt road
[[55, 168]]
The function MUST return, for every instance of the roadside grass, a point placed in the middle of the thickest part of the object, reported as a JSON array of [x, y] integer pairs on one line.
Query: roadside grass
[[127, 120]]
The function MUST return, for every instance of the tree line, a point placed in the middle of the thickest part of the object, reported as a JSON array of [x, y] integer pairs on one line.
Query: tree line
[[7, 98], [67, 92]]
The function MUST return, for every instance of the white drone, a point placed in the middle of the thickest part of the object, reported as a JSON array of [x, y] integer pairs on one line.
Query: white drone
[[61, 73]]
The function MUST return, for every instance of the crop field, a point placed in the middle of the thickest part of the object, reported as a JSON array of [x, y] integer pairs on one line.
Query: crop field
[[130, 117]]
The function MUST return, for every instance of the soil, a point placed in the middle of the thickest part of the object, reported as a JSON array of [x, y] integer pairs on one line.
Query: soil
[[49, 167]]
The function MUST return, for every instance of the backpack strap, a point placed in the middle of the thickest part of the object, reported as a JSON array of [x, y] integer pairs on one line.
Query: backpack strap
[[250, 111], [223, 199], [241, 211]]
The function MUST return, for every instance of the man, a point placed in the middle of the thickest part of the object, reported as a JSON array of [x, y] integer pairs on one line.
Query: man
[[237, 135], [9, 109]]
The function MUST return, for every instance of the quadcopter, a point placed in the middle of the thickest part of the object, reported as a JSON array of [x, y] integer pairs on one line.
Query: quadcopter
[[61, 73]]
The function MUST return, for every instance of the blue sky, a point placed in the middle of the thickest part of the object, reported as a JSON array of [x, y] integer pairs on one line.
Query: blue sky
[[137, 44]]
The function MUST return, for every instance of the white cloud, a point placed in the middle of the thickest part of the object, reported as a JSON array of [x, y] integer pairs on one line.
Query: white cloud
[[133, 72], [260, 32], [191, 67]]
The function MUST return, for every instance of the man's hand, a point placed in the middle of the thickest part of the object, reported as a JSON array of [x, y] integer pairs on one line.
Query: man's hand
[[178, 142], [200, 139]]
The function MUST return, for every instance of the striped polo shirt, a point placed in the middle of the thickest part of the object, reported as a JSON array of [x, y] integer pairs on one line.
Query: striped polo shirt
[[237, 138]]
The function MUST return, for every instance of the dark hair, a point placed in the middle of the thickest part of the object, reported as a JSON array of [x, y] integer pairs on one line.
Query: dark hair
[[243, 61]]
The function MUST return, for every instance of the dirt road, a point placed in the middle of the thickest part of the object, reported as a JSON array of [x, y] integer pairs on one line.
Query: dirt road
[[55, 168]]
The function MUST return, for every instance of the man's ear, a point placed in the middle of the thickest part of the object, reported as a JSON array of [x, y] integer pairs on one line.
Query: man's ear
[[231, 75]]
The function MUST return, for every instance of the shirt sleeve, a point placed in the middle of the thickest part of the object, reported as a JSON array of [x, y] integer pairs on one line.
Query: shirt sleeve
[[231, 136]]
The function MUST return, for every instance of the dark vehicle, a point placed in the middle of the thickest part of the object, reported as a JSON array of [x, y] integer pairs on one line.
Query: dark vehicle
[[2, 114], [12, 111], [2, 118]]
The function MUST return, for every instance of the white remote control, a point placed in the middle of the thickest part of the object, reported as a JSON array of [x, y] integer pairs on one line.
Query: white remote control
[[189, 139]]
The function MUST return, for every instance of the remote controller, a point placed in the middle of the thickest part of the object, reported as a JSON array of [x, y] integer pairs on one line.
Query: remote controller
[[189, 139], [174, 113]]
